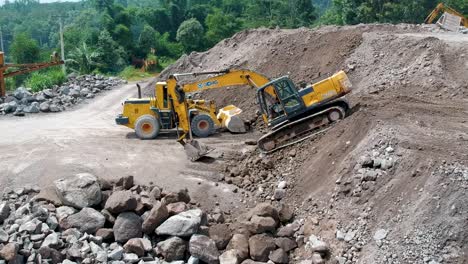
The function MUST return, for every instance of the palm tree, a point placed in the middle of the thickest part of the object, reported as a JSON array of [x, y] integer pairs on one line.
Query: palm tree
[[83, 60]]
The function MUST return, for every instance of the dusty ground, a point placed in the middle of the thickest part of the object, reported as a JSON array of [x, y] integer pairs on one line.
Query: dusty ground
[[410, 107], [38, 149], [410, 94]]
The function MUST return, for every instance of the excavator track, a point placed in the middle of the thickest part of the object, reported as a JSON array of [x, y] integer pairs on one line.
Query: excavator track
[[300, 130]]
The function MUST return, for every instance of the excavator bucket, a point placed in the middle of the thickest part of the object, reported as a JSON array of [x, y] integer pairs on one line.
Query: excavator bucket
[[229, 118], [196, 150]]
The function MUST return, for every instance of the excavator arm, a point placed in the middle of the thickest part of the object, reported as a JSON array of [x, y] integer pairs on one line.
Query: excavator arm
[[221, 79]]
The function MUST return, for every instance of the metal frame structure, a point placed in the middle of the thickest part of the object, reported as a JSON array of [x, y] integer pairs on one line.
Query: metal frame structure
[[22, 69]]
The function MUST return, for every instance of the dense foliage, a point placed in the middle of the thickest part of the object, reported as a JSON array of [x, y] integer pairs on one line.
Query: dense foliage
[[109, 35]]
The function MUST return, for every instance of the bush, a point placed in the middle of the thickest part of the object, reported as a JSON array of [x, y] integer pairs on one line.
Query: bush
[[45, 79], [132, 74]]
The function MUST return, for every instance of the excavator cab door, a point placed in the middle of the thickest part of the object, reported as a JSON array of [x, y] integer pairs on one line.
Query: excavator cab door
[[290, 99]]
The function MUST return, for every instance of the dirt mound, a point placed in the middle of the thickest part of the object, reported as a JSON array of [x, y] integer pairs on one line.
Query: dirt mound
[[388, 183]]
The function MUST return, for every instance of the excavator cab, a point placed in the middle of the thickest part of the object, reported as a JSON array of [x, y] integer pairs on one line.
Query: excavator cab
[[287, 102]]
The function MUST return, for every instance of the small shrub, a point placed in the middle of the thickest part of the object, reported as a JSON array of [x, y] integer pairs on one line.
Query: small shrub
[[132, 74], [45, 79]]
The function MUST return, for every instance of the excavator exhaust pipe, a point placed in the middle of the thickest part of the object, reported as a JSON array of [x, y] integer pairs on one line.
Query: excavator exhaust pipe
[[196, 150]]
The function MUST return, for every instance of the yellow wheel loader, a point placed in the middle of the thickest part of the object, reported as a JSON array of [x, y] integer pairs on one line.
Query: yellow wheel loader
[[291, 113]]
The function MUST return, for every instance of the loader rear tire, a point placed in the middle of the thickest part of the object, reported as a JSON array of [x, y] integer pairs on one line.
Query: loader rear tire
[[147, 127], [202, 126]]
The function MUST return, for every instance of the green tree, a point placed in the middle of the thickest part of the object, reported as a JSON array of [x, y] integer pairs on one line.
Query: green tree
[[111, 56], [147, 39], [190, 34], [220, 26], [24, 49], [83, 59]]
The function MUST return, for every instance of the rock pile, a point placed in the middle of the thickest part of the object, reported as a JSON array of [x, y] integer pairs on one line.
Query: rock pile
[[89, 220], [56, 99]]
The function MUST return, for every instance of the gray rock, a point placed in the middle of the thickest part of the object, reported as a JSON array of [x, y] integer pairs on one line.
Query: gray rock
[[3, 236], [204, 248], [221, 234], [127, 226], [84, 92], [44, 107], [316, 245], [380, 234], [174, 197], [54, 108], [116, 254], [48, 93], [130, 258], [285, 243], [285, 213], [266, 210], [10, 107], [121, 201], [317, 259], [21, 93], [193, 260], [279, 194], [52, 241], [370, 175], [9, 251], [87, 220], [240, 243], [33, 108], [184, 224], [63, 212], [230, 257], [30, 226], [262, 224], [172, 249], [135, 245], [4, 211], [279, 256], [39, 97], [74, 93], [80, 191], [260, 247]]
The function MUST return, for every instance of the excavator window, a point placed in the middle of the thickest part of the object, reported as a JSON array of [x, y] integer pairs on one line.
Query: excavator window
[[288, 95], [165, 97]]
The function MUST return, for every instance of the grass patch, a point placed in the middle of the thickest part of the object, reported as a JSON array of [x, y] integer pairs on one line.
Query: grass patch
[[45, 79], [132, 74]]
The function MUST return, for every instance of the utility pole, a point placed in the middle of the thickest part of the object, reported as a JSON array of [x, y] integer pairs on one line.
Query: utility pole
[[62, 49], [1, 40]]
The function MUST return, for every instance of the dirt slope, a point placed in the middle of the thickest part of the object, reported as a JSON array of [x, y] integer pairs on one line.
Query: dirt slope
[[393, 176]]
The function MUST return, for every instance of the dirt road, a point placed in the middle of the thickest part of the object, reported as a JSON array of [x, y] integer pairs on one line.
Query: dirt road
[[38, 149]]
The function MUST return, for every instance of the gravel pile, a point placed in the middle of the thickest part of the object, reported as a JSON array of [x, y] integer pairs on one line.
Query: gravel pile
[[83, 219], [58, 98]]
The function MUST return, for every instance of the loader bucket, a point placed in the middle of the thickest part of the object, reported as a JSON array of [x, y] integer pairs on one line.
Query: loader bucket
[[196, 150], [229, 118]]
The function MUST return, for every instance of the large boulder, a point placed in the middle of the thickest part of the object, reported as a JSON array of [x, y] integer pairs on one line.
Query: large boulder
[[33, 108], [184, 224], [121, 201], [264, 210], [262, 224], [82, 190], [172, 249], [204, 248], [87, 220], [240, 243], [4, 211], [44, 107], [156, 217], [260, 247], [21, 93], [174, 197], [127, 226], [9, 251], [279, 256], [220, 234]]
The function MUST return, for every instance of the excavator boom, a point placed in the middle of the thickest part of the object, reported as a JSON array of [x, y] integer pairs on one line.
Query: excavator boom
[[440, 8]]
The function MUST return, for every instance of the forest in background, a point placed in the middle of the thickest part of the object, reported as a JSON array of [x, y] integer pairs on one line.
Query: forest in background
[[106, 36]]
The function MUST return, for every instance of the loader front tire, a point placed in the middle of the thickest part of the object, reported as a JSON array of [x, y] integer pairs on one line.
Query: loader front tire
[[147, 127], [202, 126]]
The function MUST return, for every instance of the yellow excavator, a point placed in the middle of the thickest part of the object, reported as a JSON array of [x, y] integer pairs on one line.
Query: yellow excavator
[[440, 8], [291, 113]]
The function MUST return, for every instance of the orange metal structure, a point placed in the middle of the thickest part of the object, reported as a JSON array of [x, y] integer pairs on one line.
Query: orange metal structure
[[22, 69]]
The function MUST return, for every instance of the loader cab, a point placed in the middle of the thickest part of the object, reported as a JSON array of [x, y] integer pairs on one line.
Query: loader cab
[[286, 104], [162, 96]]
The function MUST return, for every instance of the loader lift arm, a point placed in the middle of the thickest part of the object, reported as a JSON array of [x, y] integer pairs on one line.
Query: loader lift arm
[[443, 8]]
